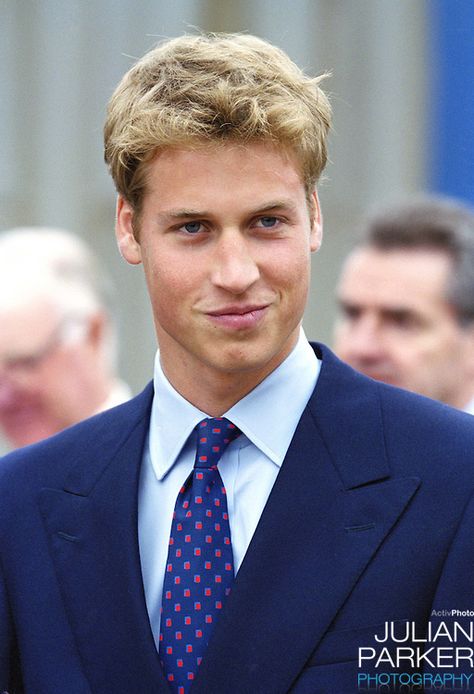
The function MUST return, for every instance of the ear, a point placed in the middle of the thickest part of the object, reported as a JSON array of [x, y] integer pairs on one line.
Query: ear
[[97, 327], [316, 234], [128, 245]]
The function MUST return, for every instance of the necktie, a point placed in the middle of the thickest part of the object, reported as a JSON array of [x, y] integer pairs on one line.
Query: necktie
[[199, 570]]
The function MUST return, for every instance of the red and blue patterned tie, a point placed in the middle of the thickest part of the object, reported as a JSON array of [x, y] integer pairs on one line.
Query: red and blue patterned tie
[[199, 569]]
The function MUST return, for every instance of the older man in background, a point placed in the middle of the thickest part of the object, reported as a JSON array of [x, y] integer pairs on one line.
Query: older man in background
[[406, 297], [57, 335]]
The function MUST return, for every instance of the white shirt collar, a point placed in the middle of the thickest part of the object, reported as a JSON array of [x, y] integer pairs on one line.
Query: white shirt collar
[[469, 407], [278, 399]]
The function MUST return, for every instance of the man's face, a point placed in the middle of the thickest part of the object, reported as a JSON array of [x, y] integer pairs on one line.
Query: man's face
[[225, 236], [46, 384], [396, 326]]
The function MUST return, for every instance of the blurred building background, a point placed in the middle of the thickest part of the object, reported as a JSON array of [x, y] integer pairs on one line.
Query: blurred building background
[[401, 90]]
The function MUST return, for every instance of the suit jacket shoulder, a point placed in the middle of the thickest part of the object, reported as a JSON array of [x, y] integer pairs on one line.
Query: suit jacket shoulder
[[77, 455], [405, 431]]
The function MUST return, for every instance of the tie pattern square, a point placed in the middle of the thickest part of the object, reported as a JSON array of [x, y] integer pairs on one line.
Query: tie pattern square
[[199, 570]]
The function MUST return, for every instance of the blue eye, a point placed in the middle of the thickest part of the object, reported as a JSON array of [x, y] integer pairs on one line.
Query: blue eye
[[268, 222], [192, 227]]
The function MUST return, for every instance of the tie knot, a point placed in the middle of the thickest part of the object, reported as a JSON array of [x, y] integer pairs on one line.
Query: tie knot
[[214, 435]]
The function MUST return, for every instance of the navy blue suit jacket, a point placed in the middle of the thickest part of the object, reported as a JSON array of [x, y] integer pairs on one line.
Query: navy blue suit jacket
[[356, 532]]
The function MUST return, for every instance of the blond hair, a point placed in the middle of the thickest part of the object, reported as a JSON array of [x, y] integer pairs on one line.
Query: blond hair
[[198, 90]]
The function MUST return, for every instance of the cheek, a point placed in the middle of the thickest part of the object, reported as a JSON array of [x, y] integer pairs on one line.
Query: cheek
[[166, 276], [294, 275], [342, 334], [287, 259], [63, 376], [435, 344], [171, 292], [419, 356], [55, 392]]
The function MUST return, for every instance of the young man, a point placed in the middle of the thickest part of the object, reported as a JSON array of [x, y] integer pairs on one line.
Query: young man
[[406, 296], [250, 521]]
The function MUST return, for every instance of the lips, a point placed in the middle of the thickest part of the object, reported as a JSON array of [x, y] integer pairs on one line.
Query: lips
[[238, 317]]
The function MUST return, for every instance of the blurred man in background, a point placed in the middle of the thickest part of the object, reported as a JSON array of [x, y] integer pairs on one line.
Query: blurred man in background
[[57, 336], [406, 297]]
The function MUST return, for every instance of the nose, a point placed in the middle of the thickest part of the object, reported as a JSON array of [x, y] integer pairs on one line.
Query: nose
[[234, 267]]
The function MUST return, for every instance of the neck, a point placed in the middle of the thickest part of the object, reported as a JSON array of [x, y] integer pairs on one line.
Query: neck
[[213, 377], [210, 390], [211, 393]]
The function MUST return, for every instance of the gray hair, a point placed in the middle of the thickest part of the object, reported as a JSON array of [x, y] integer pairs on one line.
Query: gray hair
[[433, 223], [59, 266]]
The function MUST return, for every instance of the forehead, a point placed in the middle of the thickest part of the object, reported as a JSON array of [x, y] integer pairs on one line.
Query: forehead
[[384, 278], [205, 170]]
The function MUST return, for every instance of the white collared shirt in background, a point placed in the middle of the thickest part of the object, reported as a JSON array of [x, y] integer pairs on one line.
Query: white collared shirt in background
[[119, 393], [469, 408], [267, 417]]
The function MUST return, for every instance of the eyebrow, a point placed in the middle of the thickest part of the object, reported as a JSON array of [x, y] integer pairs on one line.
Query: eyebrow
[[186, 213], [181, 214], [277, 205], [390, 311]]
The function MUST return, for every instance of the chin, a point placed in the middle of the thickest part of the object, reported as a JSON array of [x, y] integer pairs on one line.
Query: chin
[[236, 361]]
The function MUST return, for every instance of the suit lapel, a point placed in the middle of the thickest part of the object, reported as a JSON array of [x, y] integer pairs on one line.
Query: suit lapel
[[331, 507], [92, 525]]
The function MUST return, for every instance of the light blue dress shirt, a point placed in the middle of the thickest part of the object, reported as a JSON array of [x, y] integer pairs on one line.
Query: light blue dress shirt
[[267, 417]]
